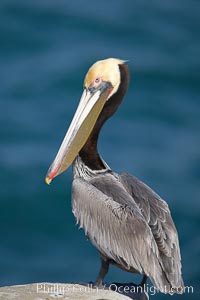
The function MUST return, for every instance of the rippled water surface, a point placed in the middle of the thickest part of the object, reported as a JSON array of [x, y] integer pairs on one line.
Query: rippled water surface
[[46, 48]]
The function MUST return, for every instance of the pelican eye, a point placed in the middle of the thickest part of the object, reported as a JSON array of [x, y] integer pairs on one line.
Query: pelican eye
[[97, 80]]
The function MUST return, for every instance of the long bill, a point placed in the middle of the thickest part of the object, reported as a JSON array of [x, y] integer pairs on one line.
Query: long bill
[[89, 108]]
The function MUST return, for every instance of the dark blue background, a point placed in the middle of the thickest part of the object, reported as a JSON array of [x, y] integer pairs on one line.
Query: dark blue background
[[46, 48]]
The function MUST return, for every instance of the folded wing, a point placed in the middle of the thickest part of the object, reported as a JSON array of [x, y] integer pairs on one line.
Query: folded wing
[[120, 228], [157, 214]]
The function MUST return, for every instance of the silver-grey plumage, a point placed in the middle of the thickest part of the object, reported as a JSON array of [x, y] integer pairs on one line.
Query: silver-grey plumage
[[128, 223]]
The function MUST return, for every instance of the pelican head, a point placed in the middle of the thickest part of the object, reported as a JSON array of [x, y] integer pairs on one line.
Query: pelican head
[[101, 82]]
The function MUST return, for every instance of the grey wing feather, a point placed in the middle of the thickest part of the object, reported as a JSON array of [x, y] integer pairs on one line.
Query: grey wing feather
[[158, 216], [116, 226]]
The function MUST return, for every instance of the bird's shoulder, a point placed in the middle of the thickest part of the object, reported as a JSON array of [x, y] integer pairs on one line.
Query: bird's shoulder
[[107, 190]]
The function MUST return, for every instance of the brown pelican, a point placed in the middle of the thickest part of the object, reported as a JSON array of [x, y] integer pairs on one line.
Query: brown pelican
[[129, 224]]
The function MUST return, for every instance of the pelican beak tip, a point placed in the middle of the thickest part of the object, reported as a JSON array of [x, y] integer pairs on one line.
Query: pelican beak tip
[[48, 180]]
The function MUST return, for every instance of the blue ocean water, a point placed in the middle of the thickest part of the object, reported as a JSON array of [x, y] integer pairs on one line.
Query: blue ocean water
[[46, 48]]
